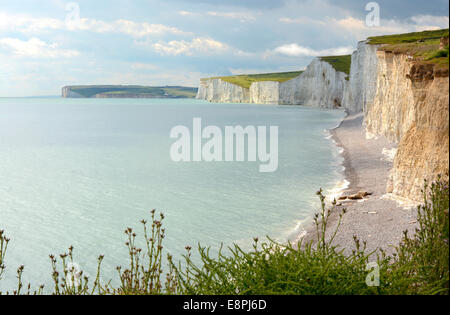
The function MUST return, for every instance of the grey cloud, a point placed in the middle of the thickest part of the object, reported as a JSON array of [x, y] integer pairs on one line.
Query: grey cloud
[[399, 9]]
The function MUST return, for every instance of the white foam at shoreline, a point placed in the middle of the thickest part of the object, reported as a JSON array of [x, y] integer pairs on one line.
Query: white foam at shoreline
[[336, 192], [331, 194]]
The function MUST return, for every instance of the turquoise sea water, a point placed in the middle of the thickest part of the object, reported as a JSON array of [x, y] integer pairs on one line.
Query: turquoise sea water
[[79, 171]]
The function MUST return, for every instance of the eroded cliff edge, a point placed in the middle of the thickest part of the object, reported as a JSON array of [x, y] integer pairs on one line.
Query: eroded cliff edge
[[411, 108], [405, 98]]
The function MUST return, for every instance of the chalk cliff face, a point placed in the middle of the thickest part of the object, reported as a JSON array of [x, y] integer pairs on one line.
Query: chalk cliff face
[[265, 92], [67, 92], [404, 100], [411, 108], [362, 84], [219, 91], [319, 86]]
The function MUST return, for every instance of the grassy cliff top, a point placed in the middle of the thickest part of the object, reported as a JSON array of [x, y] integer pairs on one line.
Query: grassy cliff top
[[423, 46], [246, 80], [156, 91], [408, 37], [339, 63]]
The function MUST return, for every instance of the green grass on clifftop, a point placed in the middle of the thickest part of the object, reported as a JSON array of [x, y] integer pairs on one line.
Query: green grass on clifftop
[[408, 37], [339, 63], [246, 80], [423, 46]]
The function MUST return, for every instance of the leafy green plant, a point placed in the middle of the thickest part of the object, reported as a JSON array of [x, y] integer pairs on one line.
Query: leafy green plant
[[3, 247], [420, 264], [316, 267], [438, 54]]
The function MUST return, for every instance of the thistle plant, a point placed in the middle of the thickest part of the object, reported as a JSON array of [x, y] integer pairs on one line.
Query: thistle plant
[[144, 273], [3, 247], [71, 280], [420, 264]]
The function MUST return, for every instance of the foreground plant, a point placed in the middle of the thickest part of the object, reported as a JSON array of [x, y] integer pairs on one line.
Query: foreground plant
[[316, 267], [420, 264]]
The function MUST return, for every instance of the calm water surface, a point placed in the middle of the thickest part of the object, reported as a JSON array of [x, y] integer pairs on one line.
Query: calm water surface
[[79, 171]]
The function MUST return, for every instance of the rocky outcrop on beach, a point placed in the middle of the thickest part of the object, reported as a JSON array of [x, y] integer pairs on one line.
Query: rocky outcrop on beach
[[319, 86]]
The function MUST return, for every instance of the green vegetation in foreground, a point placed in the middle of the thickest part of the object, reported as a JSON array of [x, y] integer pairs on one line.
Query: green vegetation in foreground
[[339, 63], [423, 46], [148, 91], [420, 264], [246, 80]]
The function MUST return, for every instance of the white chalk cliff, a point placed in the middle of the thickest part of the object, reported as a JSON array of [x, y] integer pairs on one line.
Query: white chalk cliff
[[408, 103], [220, 91], [403, 100], [319, 86], [362, 84]]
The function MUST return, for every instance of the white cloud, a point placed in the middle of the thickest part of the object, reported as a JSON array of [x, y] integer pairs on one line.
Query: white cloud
[[144, 66], [27, 24], [36, 48], [295, 50], [358, 28], [197, 45], [131, 28], [241, 16], [430, 20], [302, 20], [361, 31], [186, 13]]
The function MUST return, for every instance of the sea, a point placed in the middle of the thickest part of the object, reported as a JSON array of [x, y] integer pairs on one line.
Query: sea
[[78, 172]]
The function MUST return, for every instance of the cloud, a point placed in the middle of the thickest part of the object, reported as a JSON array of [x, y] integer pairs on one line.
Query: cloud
[[302, 20], [357, 27], [255, 4], [35, 48], [241, 16], [27, 24], [131, 28], [188, 48], [430, 21], [187, 13], [144, 66], [394, 9], [361, 31], [295, 50]]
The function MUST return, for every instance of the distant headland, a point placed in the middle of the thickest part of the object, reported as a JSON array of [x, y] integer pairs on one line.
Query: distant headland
[[127, 91]]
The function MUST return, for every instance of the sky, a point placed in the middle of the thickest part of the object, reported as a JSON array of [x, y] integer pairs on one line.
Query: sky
[[47, 44]]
